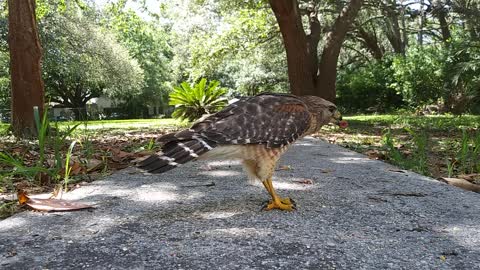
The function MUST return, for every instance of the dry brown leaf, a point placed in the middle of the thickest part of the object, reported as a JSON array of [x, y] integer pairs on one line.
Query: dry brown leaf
[[50, 204], [462, 183], [397, 170], [304, 181], [43, 178], [374, 154], [117, 165], [119, 155], [206, 167], [144, 153], [470, 177], [76, 168], [285, 168], [94, 165]]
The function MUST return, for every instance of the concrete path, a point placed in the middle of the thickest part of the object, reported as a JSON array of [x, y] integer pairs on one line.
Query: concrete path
[[357, 214]]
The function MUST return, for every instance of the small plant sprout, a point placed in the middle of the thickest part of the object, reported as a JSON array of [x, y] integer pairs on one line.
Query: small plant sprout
[[42, 128], [68, 169], [150, 145]]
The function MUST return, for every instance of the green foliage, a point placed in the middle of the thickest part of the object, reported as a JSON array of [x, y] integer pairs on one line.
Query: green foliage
[[68, 169], [417, 160], [42, 129], [368, 88], [20, 169], [428, 74], [462, 76], [4, 67], [59, 139], [432, 122], [46, 137], [236, 43], [392, 152], [418, 75], [4, 129], [147, 42], [466, 158], [193, 101], [82, 61]]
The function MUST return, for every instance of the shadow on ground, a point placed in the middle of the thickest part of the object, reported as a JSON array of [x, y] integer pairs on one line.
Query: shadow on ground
[[357, 214]]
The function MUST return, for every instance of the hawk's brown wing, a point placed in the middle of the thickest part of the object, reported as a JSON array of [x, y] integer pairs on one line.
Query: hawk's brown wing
[[271, 119]]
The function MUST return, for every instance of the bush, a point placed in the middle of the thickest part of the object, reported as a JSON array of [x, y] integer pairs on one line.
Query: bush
[[462, 92], [418, 77], [193, 101], [368, 88]]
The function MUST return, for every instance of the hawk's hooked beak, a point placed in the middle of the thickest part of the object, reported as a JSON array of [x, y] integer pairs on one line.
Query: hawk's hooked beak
[[337, 120]]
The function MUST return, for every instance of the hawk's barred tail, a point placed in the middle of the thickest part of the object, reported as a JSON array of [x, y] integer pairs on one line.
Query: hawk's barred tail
[[176, 153]]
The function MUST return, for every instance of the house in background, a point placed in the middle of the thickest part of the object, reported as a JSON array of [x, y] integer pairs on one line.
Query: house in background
[[103, 108]]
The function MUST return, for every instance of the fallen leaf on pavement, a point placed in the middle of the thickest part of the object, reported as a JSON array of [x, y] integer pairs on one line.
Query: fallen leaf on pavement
[[327, 170], [470, 177], [206, 167], [50, 204], [397, 170], [461, 183], [304, 181], [285, 168]]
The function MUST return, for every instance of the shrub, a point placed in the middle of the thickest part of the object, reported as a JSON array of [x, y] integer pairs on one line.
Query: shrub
[[193, 101], [368, 88], [462, 91], [419, 75]]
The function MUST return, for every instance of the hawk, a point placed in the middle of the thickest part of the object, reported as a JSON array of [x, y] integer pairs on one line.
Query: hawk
[[255, 130]]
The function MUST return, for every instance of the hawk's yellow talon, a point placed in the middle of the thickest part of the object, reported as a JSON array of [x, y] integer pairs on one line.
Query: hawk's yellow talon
[[287, 201], [282, 204], [277, 203]]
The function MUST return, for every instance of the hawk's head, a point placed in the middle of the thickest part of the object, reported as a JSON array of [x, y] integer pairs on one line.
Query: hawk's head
[[325, 111]]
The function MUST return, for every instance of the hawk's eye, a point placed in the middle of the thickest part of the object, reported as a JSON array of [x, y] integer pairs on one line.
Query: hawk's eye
[[332, 109]]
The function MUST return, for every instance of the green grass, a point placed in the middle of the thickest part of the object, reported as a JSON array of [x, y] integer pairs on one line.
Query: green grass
[[3, 128], [116, 125], [431, 145], [113, 126], [432, 122]]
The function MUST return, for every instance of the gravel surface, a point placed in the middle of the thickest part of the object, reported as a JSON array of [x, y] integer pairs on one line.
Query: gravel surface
[[357, 214]]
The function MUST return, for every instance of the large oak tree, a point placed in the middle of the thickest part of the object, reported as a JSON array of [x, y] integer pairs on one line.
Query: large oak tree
[[25, 56], [308, 74]]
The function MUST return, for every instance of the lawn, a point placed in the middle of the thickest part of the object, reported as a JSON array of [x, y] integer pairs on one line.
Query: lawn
[[124, 126], [3, 128]]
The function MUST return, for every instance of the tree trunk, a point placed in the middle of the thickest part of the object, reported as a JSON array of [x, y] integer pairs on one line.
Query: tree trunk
[[306, 75], [440, 12], [421, 23], [289, 19], [370, 42], [393, 32], [25, 56], [326, 82]]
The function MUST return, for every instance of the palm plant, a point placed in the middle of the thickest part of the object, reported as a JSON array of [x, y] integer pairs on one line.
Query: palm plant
[[193, 101]]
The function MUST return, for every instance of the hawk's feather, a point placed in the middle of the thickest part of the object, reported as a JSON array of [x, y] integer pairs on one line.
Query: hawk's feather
[[274, 120], [271, 120]]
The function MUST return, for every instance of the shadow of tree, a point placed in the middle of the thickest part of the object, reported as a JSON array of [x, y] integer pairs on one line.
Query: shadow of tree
[[358, 213]]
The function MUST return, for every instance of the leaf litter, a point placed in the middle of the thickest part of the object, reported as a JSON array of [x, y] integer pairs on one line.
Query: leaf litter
[[91, 159]]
